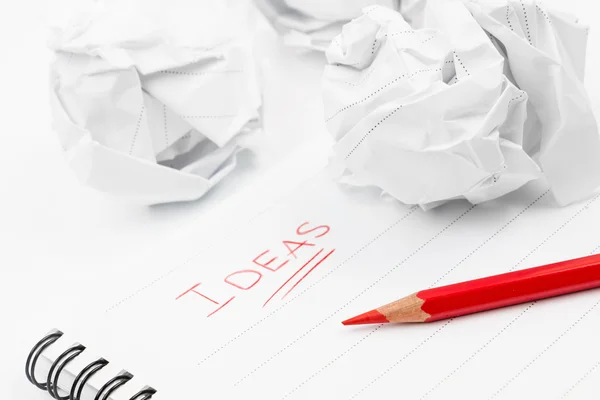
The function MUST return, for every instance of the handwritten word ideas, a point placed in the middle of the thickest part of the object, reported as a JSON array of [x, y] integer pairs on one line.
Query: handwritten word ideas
[[292, 261]]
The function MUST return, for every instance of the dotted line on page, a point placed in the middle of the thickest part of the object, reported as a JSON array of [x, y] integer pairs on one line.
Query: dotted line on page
[[515, 266], [526, 22], [398, 78], [508, 9], [530, 363], [137, 130], [489, 239], [329, 364], [519, 97], [307, 288], [372, 129], [428, 39], [165, 125], [500, 332], [523, 312], [208, 116], [582, 209], [370, 10], [228, 71], [283, 349], [404, 357], [588, 373], [543, 13], [461, 63], [394, 34], [390, 35], [394, 111], [363, 80], [373, 46]]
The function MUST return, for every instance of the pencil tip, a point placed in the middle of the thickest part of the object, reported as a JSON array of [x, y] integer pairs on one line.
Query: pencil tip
[[370, 317]]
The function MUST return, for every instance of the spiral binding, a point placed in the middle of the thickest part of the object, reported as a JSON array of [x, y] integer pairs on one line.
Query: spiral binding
[[51, 384]]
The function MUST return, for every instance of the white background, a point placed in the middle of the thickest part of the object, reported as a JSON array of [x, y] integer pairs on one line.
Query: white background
[[61, 245]]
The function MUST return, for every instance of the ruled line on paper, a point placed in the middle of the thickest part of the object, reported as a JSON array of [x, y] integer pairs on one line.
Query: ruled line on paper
[[405, 356], [337, 311], [307, 288], [580, 380], [489, 239], [474, 354], [326, 366], [535, 249], [539, 355]]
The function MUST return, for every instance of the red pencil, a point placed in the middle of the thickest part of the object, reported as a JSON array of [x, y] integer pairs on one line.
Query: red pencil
[[488, 293]]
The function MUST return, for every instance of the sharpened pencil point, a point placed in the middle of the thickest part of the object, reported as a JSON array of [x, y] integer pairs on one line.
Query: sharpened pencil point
[[370, 317]]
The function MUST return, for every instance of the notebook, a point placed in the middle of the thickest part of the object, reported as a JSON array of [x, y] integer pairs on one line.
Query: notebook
[[257, 313]]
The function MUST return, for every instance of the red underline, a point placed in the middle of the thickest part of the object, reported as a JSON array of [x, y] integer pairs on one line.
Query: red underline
[[309, 271], [292, 277]]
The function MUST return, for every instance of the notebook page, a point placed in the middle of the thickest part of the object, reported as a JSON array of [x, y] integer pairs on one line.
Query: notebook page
[[258, 314]]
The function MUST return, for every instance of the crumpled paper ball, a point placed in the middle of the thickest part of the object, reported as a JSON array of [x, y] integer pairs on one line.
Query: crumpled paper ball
[[152, 99], [314, 23], [544, 52], [430, 112]]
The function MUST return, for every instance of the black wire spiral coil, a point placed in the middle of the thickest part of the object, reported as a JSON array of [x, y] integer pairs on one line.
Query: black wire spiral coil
[[51, 384]]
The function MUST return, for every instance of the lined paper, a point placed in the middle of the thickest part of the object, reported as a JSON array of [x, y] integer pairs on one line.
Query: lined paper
[[258, 313]]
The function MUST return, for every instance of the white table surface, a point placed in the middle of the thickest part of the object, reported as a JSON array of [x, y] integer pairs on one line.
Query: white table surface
[[60, 243]]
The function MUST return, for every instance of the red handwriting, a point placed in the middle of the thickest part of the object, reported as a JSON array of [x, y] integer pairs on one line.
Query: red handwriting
[[298, 246], [300, 231], [257, 276], [292, 277], [193, 290], [223, 305], [271, 262], [309, 271], [266, 265]]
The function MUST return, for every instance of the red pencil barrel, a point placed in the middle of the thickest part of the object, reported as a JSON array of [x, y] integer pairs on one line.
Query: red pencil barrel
[[511, 288]]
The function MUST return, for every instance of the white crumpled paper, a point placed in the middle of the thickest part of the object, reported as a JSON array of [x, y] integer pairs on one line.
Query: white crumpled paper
[[545, 56], [432, 112], [152, 97], [314, 23]]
